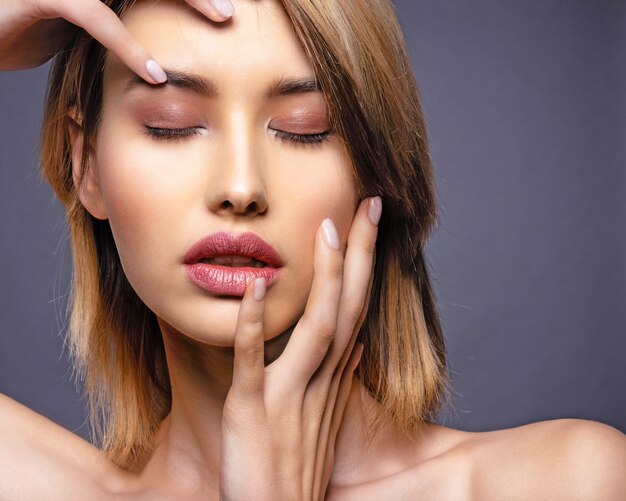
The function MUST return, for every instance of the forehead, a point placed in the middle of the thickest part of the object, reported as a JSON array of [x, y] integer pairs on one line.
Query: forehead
[[255, 45]]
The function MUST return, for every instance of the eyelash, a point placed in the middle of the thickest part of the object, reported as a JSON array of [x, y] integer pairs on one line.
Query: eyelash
[[160, 134], [320, 137]]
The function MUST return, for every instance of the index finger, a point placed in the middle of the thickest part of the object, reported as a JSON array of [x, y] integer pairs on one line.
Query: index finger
[[107, 28]]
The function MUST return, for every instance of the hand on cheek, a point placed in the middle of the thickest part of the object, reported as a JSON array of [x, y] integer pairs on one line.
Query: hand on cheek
[[280, 422]]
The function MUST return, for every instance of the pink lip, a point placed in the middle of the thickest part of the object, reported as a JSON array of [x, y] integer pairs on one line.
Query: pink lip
[[229, 280]]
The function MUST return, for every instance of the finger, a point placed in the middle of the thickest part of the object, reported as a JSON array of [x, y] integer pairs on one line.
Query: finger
[[332, 396], [103, 24], [248, 367], [351, 344], [217, 10], [315, 331], [357, 284], [332, 421], [366, 307]]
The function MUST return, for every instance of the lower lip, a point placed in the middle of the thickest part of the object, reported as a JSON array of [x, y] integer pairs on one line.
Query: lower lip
[[228, 280]]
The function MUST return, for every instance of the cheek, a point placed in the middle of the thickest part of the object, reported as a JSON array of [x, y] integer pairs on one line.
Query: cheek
[[146, 194], [322, 187]]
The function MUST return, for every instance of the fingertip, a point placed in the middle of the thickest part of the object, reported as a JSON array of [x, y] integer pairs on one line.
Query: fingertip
[[156, 72], [331, 237], [259, 288], [375, 210], [224, 8]]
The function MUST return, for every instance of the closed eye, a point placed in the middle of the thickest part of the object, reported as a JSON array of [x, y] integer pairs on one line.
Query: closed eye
[[162, 133], [319, 137]]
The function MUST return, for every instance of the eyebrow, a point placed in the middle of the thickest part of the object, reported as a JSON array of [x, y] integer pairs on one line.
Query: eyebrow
[[206, 88]]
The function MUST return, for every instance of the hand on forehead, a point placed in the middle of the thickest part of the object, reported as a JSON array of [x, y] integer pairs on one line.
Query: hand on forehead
[[258, 40]]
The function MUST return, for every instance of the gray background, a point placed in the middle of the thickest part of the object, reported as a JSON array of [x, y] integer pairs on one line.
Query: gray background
[[525, 104]]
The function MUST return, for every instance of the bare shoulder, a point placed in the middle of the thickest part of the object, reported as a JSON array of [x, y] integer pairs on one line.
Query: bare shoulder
[[42, 460], [556, 459]]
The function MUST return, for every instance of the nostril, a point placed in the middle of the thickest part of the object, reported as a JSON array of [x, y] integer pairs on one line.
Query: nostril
[[240, 203]]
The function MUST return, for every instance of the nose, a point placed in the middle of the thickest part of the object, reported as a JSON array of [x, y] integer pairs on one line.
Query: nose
[[237, 185]]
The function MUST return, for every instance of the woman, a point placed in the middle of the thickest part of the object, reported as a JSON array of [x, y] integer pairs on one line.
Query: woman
[[148, 170]]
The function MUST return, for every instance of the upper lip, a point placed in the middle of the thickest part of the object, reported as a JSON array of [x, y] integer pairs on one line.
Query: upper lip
[[223, 243]]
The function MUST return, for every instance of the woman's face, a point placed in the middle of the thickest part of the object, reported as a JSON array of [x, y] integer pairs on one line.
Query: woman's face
[[229, 172]]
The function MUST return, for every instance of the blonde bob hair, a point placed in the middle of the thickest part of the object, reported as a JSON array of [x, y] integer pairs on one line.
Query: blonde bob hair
[[359, 56]]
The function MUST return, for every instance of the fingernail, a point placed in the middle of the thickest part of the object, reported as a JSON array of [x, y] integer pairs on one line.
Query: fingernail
[[259, 288], [224, 7], [155, 71], [330, 233], [375, 210]]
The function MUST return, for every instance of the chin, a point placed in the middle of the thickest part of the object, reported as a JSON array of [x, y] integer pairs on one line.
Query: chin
[[212, 321]]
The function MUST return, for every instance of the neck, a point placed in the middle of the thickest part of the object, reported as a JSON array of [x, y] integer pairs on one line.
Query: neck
[[187, 446]]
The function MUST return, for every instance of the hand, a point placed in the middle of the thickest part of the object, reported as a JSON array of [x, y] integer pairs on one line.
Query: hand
[[280, 422], [32, 31]]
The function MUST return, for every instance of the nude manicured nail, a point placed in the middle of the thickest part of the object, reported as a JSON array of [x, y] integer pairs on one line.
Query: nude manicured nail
[[224, 7], [155, 71], [330, 233], [375, 210], [259, 288]]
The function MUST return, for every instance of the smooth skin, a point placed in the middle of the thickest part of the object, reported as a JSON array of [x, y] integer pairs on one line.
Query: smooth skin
[[286, 429]]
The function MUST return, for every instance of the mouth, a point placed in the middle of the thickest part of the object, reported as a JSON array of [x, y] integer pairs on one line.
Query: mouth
[[223, 263], [234, 261]]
